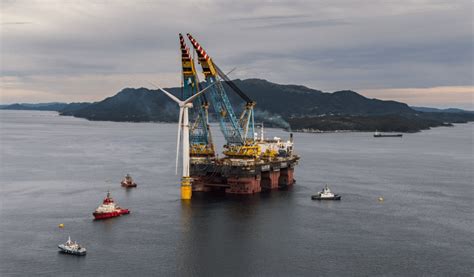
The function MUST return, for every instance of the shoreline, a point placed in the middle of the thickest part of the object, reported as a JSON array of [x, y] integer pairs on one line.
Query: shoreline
[[304, 130]]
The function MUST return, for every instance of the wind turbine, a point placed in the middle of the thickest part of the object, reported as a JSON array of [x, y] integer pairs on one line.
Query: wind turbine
[[183, 123]]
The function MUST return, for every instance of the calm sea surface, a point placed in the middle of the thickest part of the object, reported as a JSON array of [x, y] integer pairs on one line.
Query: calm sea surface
[[57, 170]]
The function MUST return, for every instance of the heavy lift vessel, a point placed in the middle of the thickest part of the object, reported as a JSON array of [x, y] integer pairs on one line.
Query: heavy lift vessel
[[251, 163]]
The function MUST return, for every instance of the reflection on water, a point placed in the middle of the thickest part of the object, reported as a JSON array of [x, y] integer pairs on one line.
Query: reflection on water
[[217, 228], [128, 191], [105, 225]]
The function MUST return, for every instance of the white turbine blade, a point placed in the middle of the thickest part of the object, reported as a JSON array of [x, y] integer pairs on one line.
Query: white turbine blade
[[181, 110], [175, 99], [190, 99]]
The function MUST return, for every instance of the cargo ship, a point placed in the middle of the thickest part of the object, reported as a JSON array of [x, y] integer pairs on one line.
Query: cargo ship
[[109, 209], [377, 134]]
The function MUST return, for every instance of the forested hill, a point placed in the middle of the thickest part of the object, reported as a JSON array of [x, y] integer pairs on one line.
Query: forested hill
[[288, 106]]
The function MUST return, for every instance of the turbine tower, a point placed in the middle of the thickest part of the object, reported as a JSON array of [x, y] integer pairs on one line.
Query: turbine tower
[[183, 124]]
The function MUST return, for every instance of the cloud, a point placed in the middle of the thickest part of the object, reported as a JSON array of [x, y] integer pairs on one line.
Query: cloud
[[286, 21], [76, 88], [328, 45], [443, 97], [302, 24], [269, 17], [16, 23]]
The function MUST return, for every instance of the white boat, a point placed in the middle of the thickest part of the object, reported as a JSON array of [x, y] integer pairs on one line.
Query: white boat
[[72, 248], [326, 194]]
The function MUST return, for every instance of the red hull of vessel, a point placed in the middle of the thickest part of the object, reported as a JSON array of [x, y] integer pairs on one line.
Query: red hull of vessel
[[111, 214]]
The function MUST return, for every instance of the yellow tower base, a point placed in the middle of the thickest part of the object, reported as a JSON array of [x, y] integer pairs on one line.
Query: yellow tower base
[[186, 188]]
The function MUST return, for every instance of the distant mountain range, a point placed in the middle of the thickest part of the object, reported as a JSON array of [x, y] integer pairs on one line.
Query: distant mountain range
[[435, 110], [53, 106], [287, 106]]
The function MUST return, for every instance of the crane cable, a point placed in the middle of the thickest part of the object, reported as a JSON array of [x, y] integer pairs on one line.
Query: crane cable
[[233, 86]]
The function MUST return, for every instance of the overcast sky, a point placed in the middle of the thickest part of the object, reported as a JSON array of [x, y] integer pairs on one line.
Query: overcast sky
[[419, 52]]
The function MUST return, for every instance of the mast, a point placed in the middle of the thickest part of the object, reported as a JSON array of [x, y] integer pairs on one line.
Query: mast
[[229, 124], [200, 138]]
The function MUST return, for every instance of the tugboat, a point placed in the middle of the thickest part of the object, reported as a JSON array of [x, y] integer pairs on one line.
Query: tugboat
[[326, 194], [109, 209], [128, 182], [72, 248], [377, 134]]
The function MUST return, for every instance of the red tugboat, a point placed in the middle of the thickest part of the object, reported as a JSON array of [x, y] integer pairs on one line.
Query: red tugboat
[[128, 182], [109, 209]]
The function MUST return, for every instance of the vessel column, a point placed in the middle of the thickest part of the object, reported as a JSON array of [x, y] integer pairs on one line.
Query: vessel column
[[186, 189]]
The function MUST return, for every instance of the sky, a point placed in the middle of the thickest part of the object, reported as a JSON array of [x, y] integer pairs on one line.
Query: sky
[[416, 51]]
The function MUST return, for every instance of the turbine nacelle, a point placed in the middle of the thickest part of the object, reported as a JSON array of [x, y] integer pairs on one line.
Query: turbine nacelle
[[182, 103]]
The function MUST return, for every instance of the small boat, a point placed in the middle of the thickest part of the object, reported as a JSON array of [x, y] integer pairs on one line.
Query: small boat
[[377, 134], [128, 182], [109, 209], [72, 248], [326, 194]]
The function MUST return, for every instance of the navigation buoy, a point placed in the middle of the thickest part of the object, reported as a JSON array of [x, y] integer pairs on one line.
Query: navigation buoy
[[61, 225], [380, 199]]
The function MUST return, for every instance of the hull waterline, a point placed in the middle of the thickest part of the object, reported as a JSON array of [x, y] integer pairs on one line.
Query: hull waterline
[[317, 197], [110, 215]]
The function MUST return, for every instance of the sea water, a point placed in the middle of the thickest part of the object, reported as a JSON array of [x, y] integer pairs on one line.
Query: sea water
[[57, 169]]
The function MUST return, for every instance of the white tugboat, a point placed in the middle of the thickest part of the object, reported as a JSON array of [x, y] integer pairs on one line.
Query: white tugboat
[[72, 248], [326, 194]]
